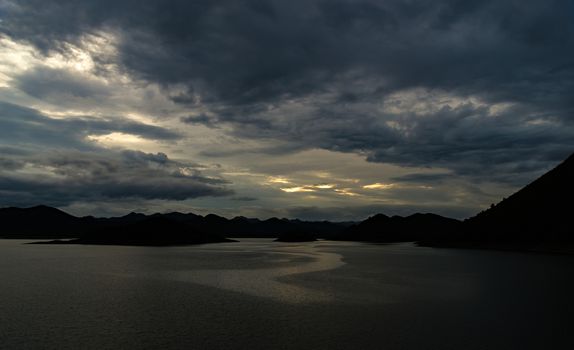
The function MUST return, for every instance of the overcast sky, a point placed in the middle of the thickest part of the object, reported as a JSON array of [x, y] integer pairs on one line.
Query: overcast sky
[[316, 109]]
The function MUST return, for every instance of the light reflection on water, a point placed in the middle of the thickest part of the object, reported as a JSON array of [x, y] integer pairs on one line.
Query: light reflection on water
[[282, 259], [260, 295]]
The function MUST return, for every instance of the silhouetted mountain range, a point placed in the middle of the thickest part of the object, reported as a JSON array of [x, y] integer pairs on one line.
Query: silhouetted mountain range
[[537, 217], [382, 228], [44, 222], [538, 214], [149, 231]]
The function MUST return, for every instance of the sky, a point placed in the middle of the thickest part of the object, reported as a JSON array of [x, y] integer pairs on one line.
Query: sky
[[314, 109]]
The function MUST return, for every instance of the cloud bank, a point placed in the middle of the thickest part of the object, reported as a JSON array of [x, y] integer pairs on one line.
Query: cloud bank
[[481, 90], [52, 161]]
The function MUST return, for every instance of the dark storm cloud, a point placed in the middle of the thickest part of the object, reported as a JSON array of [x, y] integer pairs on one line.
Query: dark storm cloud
[[26, 126], [97, 176], [49, 161], [10, 164], [512, 147], [44, 83], [422, 178], [315, 73], [505, 148], [201, 119], [244, 199], [247, 51]]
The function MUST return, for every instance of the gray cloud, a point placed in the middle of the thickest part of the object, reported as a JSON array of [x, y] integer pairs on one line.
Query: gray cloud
[[244, 199], [64, 178], [26, 126], [336, 75], [10, 164], [512, 146], [201, 119], [247, 51], [52, 84], [423, 178], [505, 148], [50, 161]]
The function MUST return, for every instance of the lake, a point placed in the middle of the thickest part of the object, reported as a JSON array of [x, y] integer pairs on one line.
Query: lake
[[259, 294]]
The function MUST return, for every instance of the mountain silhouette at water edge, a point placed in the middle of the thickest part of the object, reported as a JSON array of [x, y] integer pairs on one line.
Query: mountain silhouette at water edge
[[541, 210], [539, 215], [382, 228], [173, 228]]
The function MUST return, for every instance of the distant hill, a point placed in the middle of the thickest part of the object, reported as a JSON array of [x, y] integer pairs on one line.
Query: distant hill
[[39, 222], [541, 211], [538, 217], [382, 228], [44, 222]]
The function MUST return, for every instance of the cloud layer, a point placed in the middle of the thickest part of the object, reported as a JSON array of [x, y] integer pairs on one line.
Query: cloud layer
[[52, 161], [481, 90]]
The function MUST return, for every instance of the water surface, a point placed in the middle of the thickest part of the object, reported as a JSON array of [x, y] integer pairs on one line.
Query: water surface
[[258, 294]]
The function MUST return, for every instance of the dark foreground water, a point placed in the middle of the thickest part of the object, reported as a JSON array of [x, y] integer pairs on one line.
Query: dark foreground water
[[258, 294]]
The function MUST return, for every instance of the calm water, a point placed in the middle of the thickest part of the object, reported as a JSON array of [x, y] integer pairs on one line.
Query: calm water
[[258, 294]]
